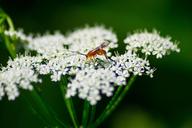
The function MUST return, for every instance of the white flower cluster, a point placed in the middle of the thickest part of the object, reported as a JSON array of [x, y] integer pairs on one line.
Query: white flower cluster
[[89, 84], [150, 44], [61, 64], [89, 79], [19, 73], [88, 38], [130, 63], [48, 44]]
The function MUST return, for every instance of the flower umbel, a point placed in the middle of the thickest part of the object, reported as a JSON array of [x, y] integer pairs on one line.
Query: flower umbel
[[150, 44], [19, 73], [63, 63], [47, 44], [130, 63], [88, 83], [88, 38]]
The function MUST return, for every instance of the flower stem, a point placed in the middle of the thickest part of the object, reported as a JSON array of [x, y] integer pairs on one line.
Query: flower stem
[[109, 105], [71, 110], [10, 23], [68, 102], [10, 47], [85, 113], [92, 114], [5, 17], [117, 98], [114, 98]]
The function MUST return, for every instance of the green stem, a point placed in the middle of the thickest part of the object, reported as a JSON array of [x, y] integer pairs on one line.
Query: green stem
[[68, 102], [92, 114], [115, 101], [85, 113], [10, 47], [111, 102], [10, 23], [114, 98], [71, 110]]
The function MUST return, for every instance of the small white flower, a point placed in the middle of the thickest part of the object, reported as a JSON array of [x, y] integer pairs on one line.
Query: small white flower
[[150, 44], [150, 72]]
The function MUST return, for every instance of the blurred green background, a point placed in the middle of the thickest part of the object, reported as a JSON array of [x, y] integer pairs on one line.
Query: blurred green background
[[162, 102]]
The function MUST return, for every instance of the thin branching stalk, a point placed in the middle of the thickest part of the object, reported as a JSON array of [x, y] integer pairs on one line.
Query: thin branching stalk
[[92, 115], [6, 18], [10, 23], [10, 46], [115, 101], [71, 110], [114, 98], [68, 102], [111, 102], [85, 115]]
